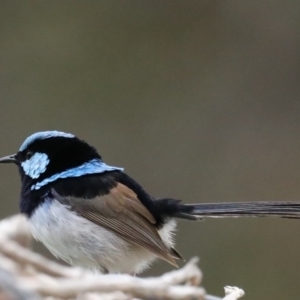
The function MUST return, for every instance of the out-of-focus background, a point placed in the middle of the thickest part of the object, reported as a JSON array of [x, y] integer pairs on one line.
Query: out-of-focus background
[[198, 100]]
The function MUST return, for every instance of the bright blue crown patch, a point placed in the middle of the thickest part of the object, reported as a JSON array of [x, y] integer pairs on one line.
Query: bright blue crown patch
[[44, 135]]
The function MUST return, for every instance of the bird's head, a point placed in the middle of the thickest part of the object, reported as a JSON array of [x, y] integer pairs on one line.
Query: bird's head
[[48, 156]]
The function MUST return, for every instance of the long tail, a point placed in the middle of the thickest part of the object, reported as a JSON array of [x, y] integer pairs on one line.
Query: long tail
[[198, 211]]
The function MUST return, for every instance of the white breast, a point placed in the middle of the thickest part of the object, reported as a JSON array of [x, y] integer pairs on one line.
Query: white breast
[[80, 242]]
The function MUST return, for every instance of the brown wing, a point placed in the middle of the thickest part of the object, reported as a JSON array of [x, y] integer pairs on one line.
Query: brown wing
[[122, 212]]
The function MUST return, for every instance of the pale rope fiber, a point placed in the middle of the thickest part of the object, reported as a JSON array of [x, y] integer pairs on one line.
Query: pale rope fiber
[[26, 275]]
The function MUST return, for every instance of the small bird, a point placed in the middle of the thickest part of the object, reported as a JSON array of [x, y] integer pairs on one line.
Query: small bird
[[94, 215]]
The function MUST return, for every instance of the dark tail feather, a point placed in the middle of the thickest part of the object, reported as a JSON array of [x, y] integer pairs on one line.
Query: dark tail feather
[[290, 210]]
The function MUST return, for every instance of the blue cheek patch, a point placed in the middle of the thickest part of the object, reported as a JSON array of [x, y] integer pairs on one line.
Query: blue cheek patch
[[94, 166], [36, 165]]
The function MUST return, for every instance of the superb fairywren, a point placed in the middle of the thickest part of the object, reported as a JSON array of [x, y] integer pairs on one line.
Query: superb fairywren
[[94, 215]]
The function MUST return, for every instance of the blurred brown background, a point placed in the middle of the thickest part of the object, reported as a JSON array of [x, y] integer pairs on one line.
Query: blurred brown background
[[198, 100]]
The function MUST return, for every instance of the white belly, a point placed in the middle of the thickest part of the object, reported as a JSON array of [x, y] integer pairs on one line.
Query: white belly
[[82, 243]]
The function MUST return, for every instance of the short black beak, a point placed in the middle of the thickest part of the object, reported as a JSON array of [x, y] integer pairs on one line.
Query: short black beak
[[9, 159]]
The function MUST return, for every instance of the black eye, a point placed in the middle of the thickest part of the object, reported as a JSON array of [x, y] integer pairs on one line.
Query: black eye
[[29, 154]]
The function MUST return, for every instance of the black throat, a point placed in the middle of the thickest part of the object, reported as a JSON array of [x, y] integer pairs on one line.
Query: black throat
[[86, 186]]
